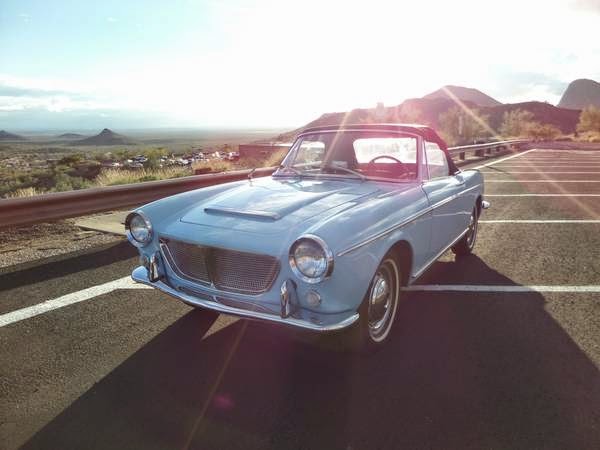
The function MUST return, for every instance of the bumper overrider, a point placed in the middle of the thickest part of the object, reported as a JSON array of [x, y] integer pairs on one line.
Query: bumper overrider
[[289, 314]]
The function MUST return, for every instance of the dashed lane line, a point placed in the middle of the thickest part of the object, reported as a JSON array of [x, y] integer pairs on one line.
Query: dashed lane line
[[504, 159], [542, 195], [542, 181], [500, 288], [495, 172], [128, 283], [541, 221], [69, 299]]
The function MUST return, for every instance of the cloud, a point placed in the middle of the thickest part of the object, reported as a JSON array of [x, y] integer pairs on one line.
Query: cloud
[[22, 95], [111, 19], [588, 5], [7, 90]]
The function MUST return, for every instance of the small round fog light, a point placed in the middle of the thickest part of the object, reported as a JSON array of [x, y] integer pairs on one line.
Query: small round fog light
[[313, 298]]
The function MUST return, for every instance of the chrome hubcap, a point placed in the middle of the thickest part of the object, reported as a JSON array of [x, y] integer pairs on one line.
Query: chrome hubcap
[[472, 233], [381, 302]]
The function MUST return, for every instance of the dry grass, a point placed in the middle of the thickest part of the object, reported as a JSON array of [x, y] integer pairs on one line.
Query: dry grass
[[25, 192], [214, 166], [111, 177], [589, 136], [274, 159]]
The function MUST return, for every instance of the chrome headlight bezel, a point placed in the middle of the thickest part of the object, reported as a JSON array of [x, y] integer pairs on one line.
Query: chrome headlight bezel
[[327, 256], [130, 235]]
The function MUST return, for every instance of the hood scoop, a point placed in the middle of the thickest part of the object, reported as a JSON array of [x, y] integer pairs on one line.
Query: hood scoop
[[253, 214]]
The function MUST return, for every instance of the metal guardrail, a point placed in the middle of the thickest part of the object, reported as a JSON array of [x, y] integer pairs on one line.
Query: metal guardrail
[[61, 205], [483, 149]]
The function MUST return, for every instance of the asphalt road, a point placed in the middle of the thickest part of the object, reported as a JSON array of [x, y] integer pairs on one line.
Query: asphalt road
[[133, 369]]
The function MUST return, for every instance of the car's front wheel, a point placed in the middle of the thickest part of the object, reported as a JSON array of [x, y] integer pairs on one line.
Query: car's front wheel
[[467, 243], [378, 310]]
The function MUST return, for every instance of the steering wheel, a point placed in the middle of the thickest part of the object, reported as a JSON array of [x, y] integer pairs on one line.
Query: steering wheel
[[397, 161]]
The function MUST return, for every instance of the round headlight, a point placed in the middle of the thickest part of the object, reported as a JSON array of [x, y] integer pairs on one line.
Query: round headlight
[[310, 259], [139, 229]]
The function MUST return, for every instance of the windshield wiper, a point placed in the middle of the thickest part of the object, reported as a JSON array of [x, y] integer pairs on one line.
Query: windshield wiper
[[345, 169]]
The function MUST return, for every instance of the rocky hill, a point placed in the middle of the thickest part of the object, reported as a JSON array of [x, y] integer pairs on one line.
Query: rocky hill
[[6, 136], [581, 93], [427, 111], [105, 137], [465, 94], [70, 136]]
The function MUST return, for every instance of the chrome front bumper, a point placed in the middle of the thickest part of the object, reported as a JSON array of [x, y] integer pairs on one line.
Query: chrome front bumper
[[140, 275]]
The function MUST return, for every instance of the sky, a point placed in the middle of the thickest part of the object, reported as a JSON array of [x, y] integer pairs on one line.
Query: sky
[[269, 64]]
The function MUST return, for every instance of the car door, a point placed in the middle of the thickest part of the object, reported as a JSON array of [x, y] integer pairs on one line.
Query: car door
[[442, 189]]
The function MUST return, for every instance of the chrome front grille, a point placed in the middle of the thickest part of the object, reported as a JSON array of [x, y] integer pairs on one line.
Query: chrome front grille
[[227, 270]]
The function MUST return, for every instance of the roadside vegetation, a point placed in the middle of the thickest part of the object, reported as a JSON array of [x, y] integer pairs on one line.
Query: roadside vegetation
[[589, 124], [75, 171], [27, 172]]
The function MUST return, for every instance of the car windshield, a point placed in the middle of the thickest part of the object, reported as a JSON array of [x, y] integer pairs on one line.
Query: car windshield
[[353, 154]]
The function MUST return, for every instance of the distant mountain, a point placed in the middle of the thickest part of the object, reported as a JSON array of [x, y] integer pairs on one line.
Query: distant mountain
[[465, 94], [581, 93], [6, 136], [70, 136], [106, 137], [427, 111]]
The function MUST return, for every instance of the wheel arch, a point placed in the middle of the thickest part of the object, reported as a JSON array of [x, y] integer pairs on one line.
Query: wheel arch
[[403, 252]]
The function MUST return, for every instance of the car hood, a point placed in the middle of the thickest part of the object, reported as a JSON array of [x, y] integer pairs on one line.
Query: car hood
[[270, 204]]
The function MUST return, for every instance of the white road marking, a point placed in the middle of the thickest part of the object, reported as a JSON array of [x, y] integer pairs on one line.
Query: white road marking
[[491, 172], [542, 181], [541, 221], [69, 299], [542, 195], [504, 159], [499, 288], [550, 166]]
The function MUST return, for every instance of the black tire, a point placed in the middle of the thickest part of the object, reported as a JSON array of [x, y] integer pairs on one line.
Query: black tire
[[378, 310], [466, 245]]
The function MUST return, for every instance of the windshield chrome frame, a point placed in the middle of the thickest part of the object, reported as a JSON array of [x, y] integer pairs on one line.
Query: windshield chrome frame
[[294, 150]]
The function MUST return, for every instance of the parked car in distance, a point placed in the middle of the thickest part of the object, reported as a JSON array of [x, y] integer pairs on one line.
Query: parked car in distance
[[353, 214]]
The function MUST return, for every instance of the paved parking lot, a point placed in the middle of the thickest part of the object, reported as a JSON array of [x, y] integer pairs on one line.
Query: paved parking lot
[[500, 350]]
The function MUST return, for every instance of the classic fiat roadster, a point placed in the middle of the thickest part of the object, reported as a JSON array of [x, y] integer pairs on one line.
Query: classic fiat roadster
[[353, 214]]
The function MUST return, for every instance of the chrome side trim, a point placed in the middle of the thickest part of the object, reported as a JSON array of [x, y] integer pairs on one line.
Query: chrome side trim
[[385, 232], [434, 259], [243, 213], [140, 275], [405, 222]]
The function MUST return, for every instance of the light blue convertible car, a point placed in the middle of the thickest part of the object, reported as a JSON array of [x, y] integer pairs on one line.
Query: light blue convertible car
[[353, 214]]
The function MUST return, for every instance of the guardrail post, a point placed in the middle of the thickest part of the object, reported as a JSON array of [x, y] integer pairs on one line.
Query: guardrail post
[[478, 152], [462, 156]]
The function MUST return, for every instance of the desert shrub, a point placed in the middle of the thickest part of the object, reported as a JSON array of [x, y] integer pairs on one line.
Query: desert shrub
[[541, 132], [589, 120], [515, 123], [460, 127], [64, 182], [154, 155], [71, 160]]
